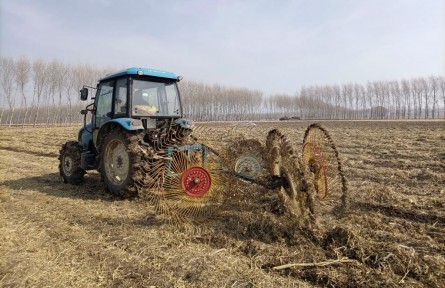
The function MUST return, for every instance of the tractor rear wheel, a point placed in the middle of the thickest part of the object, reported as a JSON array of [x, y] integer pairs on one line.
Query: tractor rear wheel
[[69, 165], [119, 162]]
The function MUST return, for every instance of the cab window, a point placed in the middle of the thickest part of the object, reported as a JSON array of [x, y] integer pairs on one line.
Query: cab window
[[103, 103], [120, 103]]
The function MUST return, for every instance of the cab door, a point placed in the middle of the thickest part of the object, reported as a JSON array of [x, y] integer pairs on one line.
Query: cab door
[[103, 106], [104, 101]]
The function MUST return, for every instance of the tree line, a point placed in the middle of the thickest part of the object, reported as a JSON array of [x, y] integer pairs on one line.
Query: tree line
[[422, 97], [42, 92]]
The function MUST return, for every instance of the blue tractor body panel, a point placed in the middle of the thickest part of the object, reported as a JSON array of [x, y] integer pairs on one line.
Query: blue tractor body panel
[[85, 136], [88, 158], [142, 71], [128, 124]]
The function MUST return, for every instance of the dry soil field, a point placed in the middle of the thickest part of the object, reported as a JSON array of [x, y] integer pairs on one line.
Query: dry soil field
[[393, 235]]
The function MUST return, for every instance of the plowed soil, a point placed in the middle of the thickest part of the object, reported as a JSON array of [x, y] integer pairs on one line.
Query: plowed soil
[[393, 234]]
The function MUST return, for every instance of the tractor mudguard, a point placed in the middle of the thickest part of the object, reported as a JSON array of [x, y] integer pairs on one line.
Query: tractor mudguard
[[85, 136], [128, 124]]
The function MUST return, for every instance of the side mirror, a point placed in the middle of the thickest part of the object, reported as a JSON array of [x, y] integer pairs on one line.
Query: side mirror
[[84, 112], [84, 94]]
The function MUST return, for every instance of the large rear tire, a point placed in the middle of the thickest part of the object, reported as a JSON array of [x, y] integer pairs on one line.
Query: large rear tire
[[69, 165], [120, 162]]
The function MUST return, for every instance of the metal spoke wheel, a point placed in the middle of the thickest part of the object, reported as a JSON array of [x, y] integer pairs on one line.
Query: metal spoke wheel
[[248, 166], [245, 157], [185, 183], [284, 163], [323, 171]]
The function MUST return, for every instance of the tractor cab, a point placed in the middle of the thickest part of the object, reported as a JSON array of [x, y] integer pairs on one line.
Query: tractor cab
[[135, 98], [136, 93]]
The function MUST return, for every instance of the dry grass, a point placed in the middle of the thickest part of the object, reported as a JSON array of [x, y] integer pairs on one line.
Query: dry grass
[[52, 234]]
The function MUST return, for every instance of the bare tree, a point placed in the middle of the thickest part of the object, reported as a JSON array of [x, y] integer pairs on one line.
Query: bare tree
[[370, 94], [382, 95], [7, 74], [441, 81], [434, 87], [406, 110], [40, 78], [58, 73], [68, 90], [426, 92], [348, 96], [336, 90], [358, 96], [416, 92], [23, 68], [396, 97]]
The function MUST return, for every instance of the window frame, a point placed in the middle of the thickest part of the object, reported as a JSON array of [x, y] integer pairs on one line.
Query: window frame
[[159, 80], [115, 94], [98, 98]]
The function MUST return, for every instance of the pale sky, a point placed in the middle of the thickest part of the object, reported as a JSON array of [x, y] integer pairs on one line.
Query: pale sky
[[273, 46]]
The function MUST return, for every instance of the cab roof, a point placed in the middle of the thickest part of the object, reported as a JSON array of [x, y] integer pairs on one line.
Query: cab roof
[[141, 71]]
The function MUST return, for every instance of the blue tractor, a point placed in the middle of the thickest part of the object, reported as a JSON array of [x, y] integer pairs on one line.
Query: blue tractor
[[136, 113]]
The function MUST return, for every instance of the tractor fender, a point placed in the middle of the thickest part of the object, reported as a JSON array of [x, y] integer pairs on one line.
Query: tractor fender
[[85, 136], [127, 124]]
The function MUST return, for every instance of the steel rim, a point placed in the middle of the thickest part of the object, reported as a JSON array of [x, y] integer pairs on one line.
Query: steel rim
[[196, 181], [116, 161], [67, 165], [248, 166]]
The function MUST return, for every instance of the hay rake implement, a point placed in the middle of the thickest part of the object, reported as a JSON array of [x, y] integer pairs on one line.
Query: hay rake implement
[[141, 144], [191, 181]]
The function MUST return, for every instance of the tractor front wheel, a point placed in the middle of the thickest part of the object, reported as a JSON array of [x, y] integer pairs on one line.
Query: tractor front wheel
[[69, 165], [118, 159]]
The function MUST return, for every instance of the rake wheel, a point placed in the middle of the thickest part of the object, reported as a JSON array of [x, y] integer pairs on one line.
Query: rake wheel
[[284, 163], [245, 157], [185, 185], [323, 171]]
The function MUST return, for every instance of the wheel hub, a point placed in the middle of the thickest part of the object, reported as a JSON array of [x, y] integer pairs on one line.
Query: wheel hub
[[116, 161], [68, 165], [119, 161], [196, 181]]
